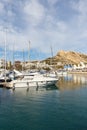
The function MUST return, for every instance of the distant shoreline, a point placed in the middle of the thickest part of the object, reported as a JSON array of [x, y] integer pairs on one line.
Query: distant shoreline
[[76, 72]]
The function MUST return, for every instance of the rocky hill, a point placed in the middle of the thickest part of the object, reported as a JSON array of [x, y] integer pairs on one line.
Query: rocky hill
[[68, 57]]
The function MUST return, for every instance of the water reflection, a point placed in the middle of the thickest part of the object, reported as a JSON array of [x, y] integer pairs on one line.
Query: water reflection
[[69, 82], [5, 93], [37, 88], [72, 81]]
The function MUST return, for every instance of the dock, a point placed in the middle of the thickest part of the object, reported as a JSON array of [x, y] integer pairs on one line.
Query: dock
[[5, 84]]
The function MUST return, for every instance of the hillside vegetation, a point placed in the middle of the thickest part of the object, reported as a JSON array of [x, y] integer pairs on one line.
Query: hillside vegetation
[[67, 57]]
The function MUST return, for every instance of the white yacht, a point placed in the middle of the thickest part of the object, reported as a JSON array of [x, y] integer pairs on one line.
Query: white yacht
[[32, 80]]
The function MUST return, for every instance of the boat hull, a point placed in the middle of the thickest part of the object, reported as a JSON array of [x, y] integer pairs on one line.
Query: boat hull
[[30, 81], [31, 84]]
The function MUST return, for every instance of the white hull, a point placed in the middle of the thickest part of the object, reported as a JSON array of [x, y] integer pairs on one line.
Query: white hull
[[29, 84], [29, 81]]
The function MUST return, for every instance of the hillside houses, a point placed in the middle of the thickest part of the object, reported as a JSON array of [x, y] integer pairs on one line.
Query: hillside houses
[[80, 66]]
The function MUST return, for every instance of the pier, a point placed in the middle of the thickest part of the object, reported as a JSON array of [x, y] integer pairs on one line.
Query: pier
[[5, 85]]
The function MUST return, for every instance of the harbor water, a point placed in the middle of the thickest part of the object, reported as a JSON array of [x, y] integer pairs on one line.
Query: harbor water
[[47, 108]]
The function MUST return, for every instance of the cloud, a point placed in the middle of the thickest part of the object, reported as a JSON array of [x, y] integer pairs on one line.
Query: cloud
[[80, 21], [34, 12], [61, 24], [81, 8], [52, 2], [1, 8]]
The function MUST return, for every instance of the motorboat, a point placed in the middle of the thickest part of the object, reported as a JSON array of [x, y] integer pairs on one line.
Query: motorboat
[[32, 80]]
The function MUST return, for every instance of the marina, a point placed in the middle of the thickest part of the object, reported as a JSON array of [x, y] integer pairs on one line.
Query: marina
[[50, 108], [17, 79], [43, 65]]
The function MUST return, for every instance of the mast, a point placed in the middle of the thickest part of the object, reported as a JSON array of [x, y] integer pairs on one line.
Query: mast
[[23, 65], [13, 63], [29, 51], [13, 58], [5, 52], [51, 55]]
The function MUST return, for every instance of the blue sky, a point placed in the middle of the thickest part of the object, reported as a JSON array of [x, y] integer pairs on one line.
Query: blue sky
[[61, 24]]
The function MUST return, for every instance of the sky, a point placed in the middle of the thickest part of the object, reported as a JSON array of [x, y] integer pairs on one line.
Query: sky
[[30, 28]]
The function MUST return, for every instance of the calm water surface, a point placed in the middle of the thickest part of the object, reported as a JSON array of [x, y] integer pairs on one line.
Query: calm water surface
[[55, 108]]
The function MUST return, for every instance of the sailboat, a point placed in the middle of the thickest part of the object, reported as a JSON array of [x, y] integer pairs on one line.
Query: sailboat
[[4, 74], [33, 79]]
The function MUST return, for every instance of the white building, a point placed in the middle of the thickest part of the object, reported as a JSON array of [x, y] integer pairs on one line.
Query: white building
[[2, 63], [81, 65]]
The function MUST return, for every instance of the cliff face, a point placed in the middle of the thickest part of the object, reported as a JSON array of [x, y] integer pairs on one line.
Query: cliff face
[[70, 57]]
